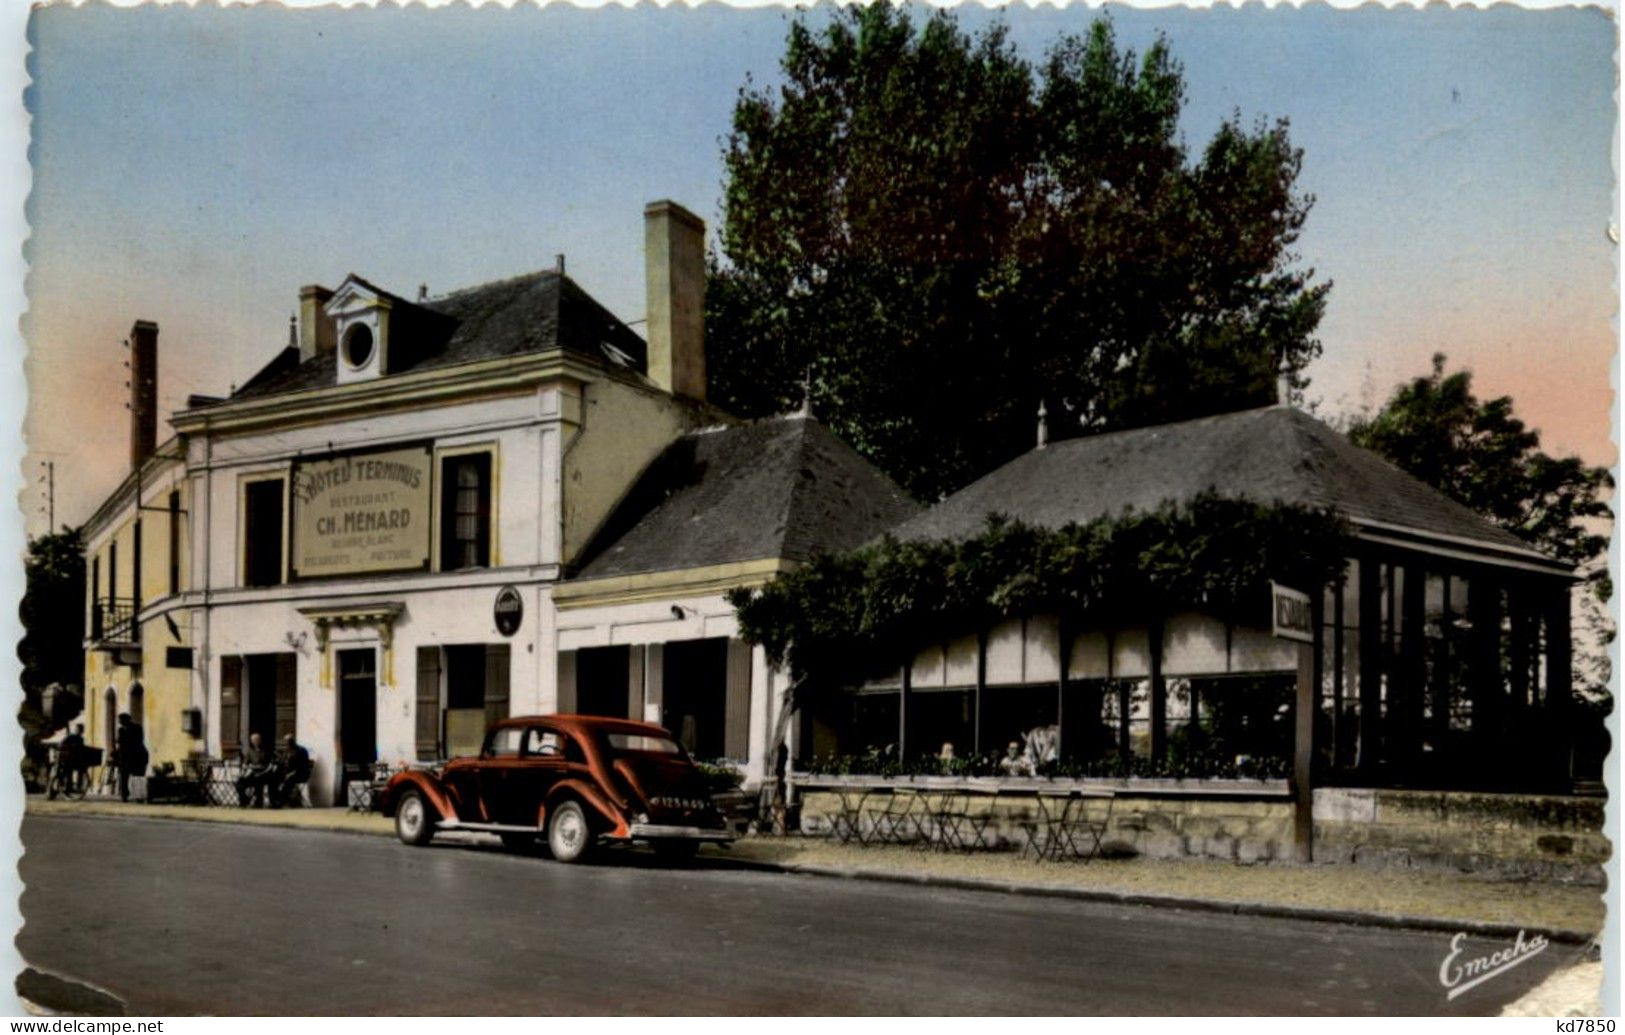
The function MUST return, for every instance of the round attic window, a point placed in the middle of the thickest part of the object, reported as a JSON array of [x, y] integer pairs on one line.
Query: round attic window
[[358, 345]]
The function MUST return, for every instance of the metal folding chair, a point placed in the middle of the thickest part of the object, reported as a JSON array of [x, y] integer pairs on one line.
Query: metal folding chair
[[1078, 832], [845, 824], [901, 821], [969, 828], [930, 824], [1043, 830]]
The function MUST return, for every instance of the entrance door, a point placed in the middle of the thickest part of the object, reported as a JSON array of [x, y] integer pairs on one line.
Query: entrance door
[[694, 702], [358, 714], [603, 676]]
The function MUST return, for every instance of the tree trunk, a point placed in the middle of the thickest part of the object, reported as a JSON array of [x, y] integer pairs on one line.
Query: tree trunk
[[770, 801]]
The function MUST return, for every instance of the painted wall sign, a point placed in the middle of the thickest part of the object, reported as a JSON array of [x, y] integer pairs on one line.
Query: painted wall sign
[[365, 512], [1291, 612], [509, 610]]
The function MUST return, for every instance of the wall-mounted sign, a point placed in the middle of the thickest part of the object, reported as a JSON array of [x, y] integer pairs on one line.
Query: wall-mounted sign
[[364, 512], [1292, 617], [509, 610]]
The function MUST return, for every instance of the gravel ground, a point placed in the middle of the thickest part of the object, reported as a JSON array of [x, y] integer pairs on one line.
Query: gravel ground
[[1446, 896], [1441, 895]]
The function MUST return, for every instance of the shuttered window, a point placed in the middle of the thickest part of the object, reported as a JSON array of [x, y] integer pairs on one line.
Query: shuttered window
[[428, 704], [496, 682], [287, 697], [231, 705]]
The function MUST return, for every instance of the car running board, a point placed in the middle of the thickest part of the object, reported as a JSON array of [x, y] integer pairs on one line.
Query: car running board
[[494, 828]]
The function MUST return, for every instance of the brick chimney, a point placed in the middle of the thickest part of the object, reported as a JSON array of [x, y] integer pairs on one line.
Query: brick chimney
[[316, 331], [143, 391], [674, 256]]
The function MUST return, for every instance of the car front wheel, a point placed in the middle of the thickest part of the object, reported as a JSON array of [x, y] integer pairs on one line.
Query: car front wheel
[[412, 823], [568, 835]]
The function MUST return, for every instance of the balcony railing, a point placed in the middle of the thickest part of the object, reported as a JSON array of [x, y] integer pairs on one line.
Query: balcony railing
[[112, 622]]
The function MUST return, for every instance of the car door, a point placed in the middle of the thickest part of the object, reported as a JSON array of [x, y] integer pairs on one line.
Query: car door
[[499, 768], [541, 764]]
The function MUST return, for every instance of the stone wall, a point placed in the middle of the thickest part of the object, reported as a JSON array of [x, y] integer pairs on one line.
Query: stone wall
[[1501, 835], [1513, 835]]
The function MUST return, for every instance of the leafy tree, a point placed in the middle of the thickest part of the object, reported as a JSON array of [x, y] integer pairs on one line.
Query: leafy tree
[[939, 235], [1480, 454], [52, 613]]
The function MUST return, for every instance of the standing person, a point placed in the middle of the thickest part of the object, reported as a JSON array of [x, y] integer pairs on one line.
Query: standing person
[[130, 752], [293, 769], [71, 756]]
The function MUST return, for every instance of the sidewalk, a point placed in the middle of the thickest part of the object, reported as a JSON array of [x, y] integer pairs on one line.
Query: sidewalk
[[342, 820], [1436, 900], [1405, 898]]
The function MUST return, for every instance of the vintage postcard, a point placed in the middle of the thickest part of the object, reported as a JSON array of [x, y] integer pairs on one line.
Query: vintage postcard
[[1129, 485]]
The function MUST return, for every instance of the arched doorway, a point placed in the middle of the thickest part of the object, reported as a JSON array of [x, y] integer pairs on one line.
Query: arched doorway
[[138, 705], [109, 719]]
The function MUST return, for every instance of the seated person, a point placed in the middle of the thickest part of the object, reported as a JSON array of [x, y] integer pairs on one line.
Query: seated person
[[292, 770], [1014, 762], [257, 774]]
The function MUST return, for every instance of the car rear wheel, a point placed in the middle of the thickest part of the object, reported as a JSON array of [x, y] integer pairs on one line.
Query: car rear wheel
[[569, 837], [412, 824]]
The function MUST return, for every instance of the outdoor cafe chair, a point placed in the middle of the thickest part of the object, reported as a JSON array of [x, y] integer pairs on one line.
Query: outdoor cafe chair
[[954, 822], [1044, 827], [1075, 829], [846, 824], [902, 820], [965, 827], [937, 820]]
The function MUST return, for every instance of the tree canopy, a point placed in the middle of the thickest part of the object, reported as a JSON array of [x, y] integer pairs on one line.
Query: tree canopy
[[1481, 455], [938, 235]]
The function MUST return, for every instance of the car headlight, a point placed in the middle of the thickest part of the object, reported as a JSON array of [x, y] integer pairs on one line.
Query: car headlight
[[642, 817]]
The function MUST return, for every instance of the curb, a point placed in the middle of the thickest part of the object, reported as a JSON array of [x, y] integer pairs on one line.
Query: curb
[[1321, 914], [1486, 928]]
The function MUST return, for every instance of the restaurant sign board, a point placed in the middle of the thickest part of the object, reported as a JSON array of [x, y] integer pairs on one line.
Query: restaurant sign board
[[359, 513], [1290, 609]]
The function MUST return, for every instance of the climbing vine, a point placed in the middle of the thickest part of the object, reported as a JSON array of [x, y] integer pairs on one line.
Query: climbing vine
[[843, 618]]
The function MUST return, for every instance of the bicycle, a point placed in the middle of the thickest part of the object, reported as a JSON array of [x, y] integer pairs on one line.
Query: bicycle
[[69, 777]]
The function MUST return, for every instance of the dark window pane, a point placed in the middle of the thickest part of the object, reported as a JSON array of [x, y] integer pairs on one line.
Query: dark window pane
[[465, 512], [262, 534]]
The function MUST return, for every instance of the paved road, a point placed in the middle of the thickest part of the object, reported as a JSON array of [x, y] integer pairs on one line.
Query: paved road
[[181, 918]]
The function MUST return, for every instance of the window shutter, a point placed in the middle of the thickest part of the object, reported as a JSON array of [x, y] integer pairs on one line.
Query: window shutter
[[428, 704], [287, 696], [496, 682], [231, 705]]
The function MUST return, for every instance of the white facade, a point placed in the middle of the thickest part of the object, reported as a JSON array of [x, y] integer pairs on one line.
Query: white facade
[[532, 432]]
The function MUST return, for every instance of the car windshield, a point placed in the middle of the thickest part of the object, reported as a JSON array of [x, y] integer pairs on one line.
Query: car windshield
[[643, 742]]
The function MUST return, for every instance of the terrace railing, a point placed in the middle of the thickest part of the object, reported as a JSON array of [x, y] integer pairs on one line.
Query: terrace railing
[[112, 622]]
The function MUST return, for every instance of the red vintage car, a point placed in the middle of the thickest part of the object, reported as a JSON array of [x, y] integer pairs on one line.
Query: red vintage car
[[575, 780]]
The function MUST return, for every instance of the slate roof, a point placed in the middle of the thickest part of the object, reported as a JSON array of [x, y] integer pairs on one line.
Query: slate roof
[[785, 487], [535, 312], [1265, 455]]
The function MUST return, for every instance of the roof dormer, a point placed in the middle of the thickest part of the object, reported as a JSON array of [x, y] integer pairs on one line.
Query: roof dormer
[[360, 314]]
